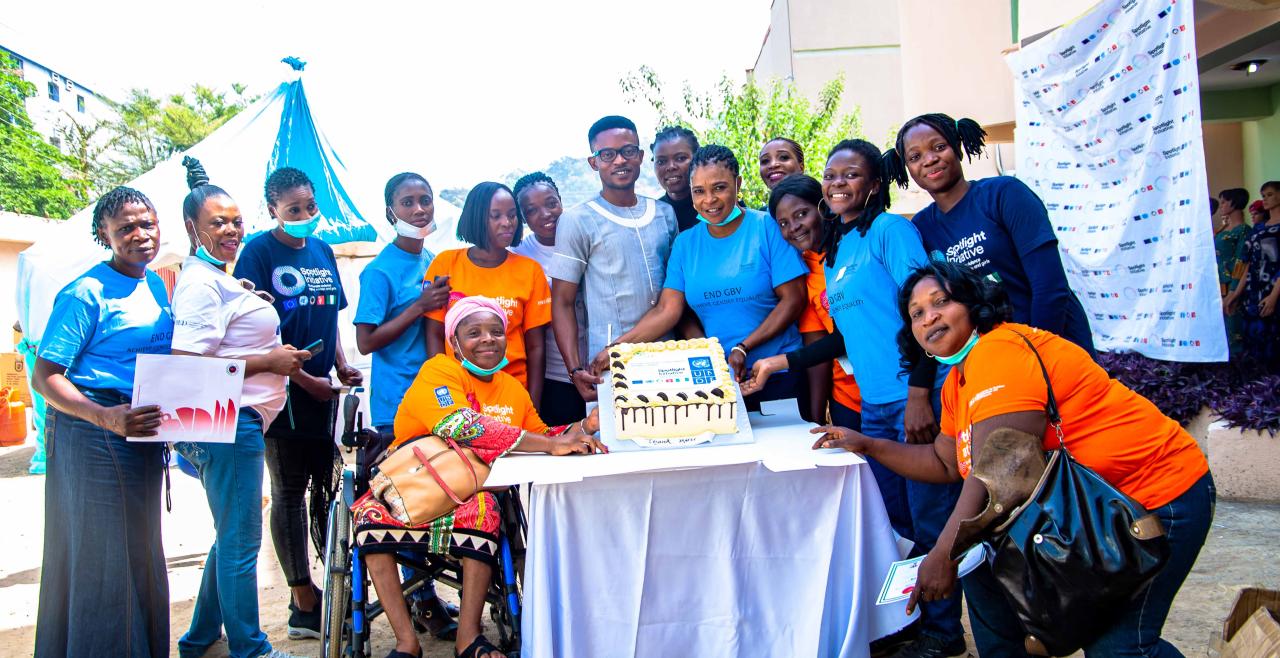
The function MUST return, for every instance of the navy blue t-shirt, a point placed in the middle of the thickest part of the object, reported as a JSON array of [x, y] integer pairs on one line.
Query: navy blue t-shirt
[[308, 296], [1001, 226]]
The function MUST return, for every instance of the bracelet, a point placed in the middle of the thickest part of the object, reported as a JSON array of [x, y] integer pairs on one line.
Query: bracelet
[[740, 348], [575, 371]]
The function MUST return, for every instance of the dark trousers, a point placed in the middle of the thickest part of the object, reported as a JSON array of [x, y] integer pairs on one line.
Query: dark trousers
[[842, 416], [104, 590], [295, 464], [996, 630], [788, 384], [561, 403]]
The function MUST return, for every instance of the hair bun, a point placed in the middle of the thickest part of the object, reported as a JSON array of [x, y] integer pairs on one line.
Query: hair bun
[[196, 175]]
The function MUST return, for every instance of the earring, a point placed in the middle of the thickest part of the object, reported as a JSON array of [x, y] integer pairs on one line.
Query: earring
[[926, 353], [825, 208]]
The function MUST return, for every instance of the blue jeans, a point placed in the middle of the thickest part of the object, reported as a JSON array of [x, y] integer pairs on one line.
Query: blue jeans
[[917, 510], [104, 590], [232, 477], [996, 630]]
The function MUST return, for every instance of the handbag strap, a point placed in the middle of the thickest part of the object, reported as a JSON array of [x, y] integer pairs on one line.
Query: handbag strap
[[1051, 402], [439, 480]]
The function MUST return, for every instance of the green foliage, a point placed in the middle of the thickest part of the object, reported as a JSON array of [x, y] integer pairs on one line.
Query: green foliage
[[149, 130], [31, 169], [745, 116], [574, 177]]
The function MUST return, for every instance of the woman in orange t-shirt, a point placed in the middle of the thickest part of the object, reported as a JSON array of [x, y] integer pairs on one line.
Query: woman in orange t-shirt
[[489, 221], [794, 205], [959, 318], [471, 400]]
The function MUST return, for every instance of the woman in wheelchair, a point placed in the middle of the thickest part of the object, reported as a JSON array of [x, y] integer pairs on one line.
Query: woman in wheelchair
[[469, 399]]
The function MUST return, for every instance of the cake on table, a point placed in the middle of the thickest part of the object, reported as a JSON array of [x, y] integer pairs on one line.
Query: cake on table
[[677, 388]]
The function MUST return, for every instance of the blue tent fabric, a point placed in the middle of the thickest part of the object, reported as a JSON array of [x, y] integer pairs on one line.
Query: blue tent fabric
[[300, 145]]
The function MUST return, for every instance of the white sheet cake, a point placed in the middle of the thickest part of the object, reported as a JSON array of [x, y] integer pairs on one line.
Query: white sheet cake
[[677, 388]]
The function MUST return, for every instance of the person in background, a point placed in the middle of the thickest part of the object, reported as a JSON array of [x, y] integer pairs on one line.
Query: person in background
[[467, 397], [1258, 213], [996, 225], [795, 205], [538, 203], [491, 223], [1258, 293], [219, 317], [1232, 205], [1228, 247], [744, 282], [780, 157], [614, 248], [104, 590], [1213, 213], [953, 314], [301, 274], [868, 253], [673, 149], [390, 326], [28, 350]]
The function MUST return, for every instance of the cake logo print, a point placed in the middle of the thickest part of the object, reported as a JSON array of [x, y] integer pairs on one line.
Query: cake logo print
[[194, 421], [701, 371]]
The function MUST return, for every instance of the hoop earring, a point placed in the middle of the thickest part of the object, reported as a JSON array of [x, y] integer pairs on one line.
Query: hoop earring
[[825, 209], [926, 353]]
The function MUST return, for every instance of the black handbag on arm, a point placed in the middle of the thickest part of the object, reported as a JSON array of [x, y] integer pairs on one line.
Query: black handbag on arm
[[1073, 557]]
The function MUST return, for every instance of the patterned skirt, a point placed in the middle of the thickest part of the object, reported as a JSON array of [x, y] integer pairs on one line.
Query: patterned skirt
[[471, 530]]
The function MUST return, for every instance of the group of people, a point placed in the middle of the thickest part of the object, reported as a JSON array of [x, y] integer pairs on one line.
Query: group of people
[[901, 338], [1246, 241]]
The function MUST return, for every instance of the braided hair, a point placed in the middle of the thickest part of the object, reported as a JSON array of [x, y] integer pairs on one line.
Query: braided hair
[[201, 189], [877, 203], [284, 179], [795, 146], [964, 136], [111, 203], [527, 181], [393, 183], [987, 301], [713, 153], [672, 133]]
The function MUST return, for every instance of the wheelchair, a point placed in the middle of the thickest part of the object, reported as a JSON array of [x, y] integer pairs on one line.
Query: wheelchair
[[348, 611]]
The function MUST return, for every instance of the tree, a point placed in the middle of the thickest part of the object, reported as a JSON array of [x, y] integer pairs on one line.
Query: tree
[[31, 169], [148, 130], [743, 117]]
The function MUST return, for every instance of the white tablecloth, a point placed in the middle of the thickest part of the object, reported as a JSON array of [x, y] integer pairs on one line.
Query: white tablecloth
[[732, 560]]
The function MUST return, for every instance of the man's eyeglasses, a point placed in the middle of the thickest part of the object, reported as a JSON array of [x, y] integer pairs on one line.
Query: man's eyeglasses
[[628, 152]]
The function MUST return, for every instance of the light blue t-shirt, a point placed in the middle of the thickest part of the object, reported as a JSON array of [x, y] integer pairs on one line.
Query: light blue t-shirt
[[729, 281], [101, 321], [862, 290], [388, 285]]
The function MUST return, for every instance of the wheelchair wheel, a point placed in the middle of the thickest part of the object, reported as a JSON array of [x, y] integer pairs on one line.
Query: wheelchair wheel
[[335, 631]]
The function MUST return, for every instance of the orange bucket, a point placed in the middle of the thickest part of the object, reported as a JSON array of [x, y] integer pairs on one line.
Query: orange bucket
[[13, 419]]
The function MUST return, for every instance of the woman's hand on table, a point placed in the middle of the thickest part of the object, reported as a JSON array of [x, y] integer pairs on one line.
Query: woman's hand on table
[[843, 438], [576, 442], [935, 579], [131, 421], [761, 371]]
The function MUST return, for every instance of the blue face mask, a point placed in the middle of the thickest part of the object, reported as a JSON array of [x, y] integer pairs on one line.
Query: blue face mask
[[959, 356], [483, 372], [204, 255], [737, 210], [302, 228]]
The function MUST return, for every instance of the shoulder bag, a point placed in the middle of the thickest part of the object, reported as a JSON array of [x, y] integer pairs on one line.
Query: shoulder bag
[[426, 478]]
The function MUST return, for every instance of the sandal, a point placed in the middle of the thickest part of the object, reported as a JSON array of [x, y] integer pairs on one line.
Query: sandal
[[432, 616], [401, 654], [481, 646]]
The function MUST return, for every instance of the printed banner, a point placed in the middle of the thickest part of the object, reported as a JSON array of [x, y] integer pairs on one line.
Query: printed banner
[[1109, 136], [199, 396]]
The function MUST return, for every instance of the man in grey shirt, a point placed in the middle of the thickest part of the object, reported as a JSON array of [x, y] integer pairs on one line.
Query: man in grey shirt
[[614, 247]]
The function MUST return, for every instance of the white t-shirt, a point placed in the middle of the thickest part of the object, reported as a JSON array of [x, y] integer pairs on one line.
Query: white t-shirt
[[216, 316], [530, 248]]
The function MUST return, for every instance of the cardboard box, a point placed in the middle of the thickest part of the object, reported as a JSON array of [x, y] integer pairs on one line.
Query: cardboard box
[[13, 376], [1252, 630]]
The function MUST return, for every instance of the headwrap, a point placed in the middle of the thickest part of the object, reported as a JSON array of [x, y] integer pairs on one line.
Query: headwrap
[[468, 306], [1257, 207]]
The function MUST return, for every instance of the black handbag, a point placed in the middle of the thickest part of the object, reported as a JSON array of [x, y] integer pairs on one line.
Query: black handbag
[[1074, 556]]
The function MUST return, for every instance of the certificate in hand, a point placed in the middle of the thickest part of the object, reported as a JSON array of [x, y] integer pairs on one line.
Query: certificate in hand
[[199, 396]]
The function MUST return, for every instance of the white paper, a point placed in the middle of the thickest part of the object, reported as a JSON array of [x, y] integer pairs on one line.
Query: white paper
[[199, 395], [901, 579]]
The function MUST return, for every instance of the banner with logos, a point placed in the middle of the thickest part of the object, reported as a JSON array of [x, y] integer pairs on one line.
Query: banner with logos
[[1109, 136]]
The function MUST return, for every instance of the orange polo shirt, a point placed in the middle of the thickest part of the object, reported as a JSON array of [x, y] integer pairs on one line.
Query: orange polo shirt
[[816, 317], [1107, 427], [443, 386], [518, 284]]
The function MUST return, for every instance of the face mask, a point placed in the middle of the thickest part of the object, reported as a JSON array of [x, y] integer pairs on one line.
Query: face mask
[[959, 356], [302, 228], [737, 210], [483, 372], [407, 230], [204, 255]]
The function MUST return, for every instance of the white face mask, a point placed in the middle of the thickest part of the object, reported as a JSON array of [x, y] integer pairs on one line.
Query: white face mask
[[408, 230]]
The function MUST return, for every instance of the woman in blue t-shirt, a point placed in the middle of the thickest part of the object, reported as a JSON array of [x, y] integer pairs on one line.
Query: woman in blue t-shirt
[[103, 588], [744, 282], [868, 254], [301, 274], [997, 225]]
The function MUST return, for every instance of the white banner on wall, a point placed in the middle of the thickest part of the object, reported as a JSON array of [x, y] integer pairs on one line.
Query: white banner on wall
[[1109, 136]]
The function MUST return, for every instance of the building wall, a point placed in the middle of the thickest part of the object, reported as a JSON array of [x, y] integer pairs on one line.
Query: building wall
[[1260, 143], [1223, 155], [75, 102]]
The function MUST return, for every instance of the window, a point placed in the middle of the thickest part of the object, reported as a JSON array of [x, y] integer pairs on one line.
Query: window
[[56, 141], [80, 103], [55, 94]]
